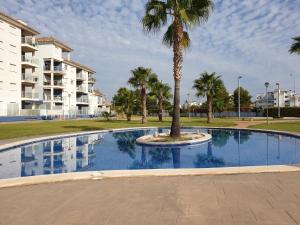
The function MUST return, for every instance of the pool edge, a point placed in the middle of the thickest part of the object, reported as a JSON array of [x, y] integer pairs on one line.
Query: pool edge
[[100, 175]]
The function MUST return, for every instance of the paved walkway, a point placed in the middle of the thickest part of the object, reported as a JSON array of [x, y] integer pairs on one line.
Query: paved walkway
[[264, 199]]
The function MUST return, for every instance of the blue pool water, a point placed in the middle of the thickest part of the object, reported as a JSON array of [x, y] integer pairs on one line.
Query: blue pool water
[[118, 150]]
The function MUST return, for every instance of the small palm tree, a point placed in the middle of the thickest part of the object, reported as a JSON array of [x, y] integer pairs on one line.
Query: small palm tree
[[295, 48], [126, 101], [208, 85], [181, 15], [142, 79], [162, 92]]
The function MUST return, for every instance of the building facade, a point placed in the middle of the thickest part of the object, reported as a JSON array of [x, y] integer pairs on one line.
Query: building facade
[[38, 77], [277, 98], [17, 65]]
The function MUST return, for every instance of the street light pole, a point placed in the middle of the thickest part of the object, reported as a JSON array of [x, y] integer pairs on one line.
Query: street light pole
[[189, 105], [294, 88], [239, 98], [267, 85], [278, 100]]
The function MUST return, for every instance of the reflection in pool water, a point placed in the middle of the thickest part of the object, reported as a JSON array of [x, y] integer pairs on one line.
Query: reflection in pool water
[[118, 150]]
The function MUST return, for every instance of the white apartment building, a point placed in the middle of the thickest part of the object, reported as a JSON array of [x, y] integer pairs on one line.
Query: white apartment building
[[17, 66], [286, 99], [38, 77]]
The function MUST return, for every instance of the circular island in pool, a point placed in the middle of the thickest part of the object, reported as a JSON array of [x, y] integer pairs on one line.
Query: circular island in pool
[[164, 139]]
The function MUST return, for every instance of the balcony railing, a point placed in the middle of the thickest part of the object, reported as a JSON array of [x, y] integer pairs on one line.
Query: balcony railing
[[92, 79], [80, 76], [82, 99], [58, 68], [58, 83], [47, 97], [28, 40], [57, 98], [47, 68], [47, 82], [29, 60], [80, 89], [29, 77], [30, 95]]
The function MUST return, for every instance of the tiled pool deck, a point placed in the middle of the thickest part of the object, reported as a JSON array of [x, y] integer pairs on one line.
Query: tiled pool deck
[[265, 199]]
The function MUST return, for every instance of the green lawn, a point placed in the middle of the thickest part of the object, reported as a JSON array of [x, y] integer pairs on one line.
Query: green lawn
[[37, 128], [281, 126]]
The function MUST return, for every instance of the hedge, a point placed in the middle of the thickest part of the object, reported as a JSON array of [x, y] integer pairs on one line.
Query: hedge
[[284, 112]]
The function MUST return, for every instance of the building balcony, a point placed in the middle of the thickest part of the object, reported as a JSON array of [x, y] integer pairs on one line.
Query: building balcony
[[92, 79], [57, 70], [81, 89], [58, 83], [29, 79], [47, 98], [57, 98], [30, 96], [29, 62], [80, 76], [28, 44], [82, 100], [47, 82]]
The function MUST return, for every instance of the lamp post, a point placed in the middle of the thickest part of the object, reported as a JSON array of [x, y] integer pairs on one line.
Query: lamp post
[[267, 85], [69, 105], [294, 80], [278, 100], [239, 97], [188, 95]]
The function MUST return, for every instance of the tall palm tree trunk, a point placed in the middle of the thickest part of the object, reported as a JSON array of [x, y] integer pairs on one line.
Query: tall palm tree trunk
[[160, 113], [209, 109], [144, 105], [177, 70]]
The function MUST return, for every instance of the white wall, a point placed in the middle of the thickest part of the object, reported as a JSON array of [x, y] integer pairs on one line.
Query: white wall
[[10, 68]]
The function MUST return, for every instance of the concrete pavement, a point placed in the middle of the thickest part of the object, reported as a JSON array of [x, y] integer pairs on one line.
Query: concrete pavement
[[264, 199]]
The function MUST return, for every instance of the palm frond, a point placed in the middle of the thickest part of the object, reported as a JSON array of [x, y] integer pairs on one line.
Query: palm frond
[[295, 48]]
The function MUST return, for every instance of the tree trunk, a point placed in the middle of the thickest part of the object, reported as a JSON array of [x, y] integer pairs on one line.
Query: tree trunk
[[160, 113], [177, 73], [144, 105], [128, 117], [209, 109]]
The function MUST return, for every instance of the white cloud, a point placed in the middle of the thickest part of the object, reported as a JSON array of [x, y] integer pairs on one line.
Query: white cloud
[[241, 37]]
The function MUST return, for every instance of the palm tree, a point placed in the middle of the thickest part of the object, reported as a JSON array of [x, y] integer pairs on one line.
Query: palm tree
[[142, 78], [162, 92], [295, 48], [126, 100], [181, 15], [208, 85]]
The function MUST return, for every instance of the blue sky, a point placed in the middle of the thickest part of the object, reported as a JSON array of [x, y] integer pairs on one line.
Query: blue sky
[[242, 37]]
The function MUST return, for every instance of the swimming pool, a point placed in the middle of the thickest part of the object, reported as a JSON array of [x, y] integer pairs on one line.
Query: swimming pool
[[118, 150]]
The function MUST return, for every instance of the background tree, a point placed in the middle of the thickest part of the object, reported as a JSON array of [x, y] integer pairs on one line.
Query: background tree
[[245, 99], [180, 15], [162, 92], [142, 79], [126, 102], [295, 48], [221, 98], [208, 85]]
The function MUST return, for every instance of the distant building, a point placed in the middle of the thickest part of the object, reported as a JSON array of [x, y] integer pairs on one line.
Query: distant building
[[286, 99], [187, 104]]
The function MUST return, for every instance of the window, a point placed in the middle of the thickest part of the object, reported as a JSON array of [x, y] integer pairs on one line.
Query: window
[[13, 86], [66, 66], [1, 84], [13, 48], [13, 30], [13, 68], [1, 64], [1, 25], [1, 45]]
